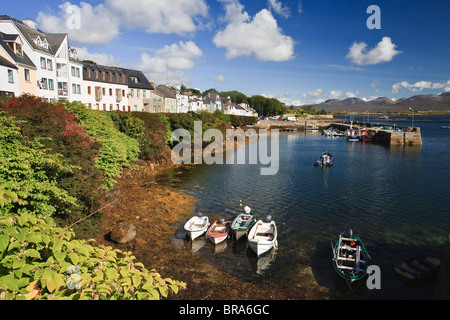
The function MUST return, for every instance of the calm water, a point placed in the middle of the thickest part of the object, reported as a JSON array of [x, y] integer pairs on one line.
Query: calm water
[[396, 199]]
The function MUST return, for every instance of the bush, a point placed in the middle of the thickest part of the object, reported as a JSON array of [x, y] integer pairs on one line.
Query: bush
[[39, 261]]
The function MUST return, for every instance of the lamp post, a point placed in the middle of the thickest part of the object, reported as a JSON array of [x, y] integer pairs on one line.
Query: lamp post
[[412, 117]]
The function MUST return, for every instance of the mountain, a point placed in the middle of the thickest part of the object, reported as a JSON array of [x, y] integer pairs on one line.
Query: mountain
[[383, 104]]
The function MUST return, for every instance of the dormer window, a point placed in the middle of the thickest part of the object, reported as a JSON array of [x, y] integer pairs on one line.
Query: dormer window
[[41, 43], [19, 51], [134, 79]]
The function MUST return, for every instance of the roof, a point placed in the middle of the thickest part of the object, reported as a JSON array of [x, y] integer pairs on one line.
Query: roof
[[167, 92], [6, 63], [114, 71], [142, 81], [21, 60]]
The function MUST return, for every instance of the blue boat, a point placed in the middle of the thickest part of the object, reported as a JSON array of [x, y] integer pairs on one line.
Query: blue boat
[[325, 160]]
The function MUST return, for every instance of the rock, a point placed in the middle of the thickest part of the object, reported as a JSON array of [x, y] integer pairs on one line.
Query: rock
[[123, 233]]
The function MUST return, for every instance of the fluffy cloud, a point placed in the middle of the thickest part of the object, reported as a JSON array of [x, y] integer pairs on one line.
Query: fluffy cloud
[[99, 58], [220, 78], [170, 62], [260, 36], [156, 16], [420, 86], [384, 52], [313, 94], [96, 25], [278, 8], [100, 24]]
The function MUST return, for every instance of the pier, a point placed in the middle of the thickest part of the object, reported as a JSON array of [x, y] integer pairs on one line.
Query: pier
[[388, 134]]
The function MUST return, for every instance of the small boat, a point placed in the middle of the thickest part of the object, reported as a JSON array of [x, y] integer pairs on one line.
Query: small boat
[[419, 267], [263, 236], [218, 231], [242, 223], [196, 226], [352, 134], [350, 257], [325, 160], [366, 135]]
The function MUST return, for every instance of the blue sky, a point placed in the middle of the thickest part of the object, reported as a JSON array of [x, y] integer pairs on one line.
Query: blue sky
[[298, 51]]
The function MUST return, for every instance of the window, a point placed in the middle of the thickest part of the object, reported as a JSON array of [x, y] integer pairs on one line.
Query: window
[[98, 94], [111, 107], [50, 85], [78, 89], [138, 93], [49, 65], [132, 93], [44, 84], [110, 93], [144, 93], [104, 91], [89, 90], [74, 88], [27, 75], [77, 72], [10, 76], [19, 49], [135, 108], [43, 63]]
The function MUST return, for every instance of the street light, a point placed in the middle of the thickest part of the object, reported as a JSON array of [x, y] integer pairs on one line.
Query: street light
[[412, 117]]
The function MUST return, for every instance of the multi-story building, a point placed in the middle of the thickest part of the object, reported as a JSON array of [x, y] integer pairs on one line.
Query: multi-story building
[[11, 51], [52, 58], [170, 98], [140, 91], [9, 79], [105, 88]]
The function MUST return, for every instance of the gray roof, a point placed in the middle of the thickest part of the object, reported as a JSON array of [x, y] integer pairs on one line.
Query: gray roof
[[5, 62], [142, 81], [21, 60], [167, 92]]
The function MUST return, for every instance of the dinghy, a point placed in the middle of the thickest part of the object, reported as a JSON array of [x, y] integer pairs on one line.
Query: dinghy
[[350, 257], [263, 236], [242, 223], [218, 231], [419, 267], [196, 226], [325, 160]]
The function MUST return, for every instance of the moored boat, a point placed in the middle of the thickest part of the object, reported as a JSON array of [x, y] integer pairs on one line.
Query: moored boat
[[263, 236], [325, 160], [419, 267], [366, 135], [242, 223], [218, 231], [196, 226], [350, 257]]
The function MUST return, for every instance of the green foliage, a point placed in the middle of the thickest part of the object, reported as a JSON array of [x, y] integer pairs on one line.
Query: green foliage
[[120, 149], [267, 106], [29, 175], [39, 261], [311, 110], [51, 127]]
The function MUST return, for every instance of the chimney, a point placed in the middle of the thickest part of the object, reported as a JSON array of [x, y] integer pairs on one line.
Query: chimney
[[30, 24]]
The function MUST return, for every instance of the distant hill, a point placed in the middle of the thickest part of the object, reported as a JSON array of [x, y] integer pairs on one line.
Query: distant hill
[[383, 104]]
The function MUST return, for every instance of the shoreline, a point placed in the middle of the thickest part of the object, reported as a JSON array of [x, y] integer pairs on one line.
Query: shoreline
[[157, 211]]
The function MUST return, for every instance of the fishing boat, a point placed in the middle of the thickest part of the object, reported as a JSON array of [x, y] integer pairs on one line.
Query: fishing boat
[[419, 267], [325, 160], [242, 223], [263, 236], [196, 226], [350, 257], [366, 135], [218, 231], [352, 134]]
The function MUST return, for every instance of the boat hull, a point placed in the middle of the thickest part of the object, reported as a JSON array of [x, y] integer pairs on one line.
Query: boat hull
[[218, 231], [419, 267], [241, 225], [196, 226], [263, 237], [350, 258]]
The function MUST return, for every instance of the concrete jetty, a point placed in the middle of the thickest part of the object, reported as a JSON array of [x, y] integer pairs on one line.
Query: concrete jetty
[[388, 135]]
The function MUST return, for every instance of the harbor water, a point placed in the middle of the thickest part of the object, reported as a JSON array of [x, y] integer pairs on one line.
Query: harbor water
[[395, 198]]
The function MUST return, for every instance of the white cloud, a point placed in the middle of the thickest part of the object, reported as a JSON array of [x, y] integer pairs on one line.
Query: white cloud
[[278, 8], [156, 16], [99, 58], [101, 24], [345, 68], [420, 86], [97, 24], [384, 52], [219, 78], [259, 37], [335, 94], [313, 94], [170, 62]]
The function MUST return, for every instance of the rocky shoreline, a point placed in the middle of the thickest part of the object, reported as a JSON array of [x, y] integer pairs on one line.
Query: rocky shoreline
[[156, 211]]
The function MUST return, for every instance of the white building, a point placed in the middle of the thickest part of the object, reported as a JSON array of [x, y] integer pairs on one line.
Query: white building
[[105, 88], [53, 58], [9, 78]]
